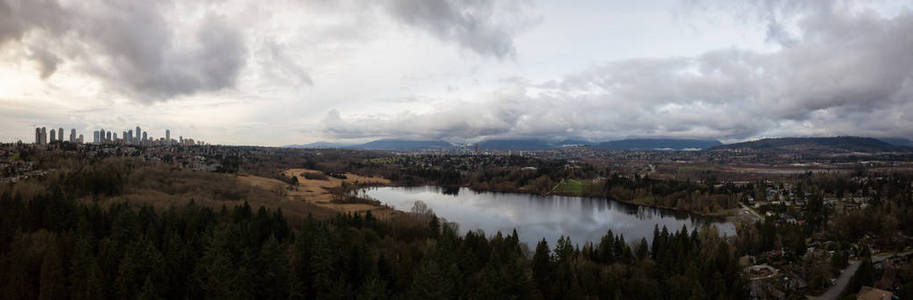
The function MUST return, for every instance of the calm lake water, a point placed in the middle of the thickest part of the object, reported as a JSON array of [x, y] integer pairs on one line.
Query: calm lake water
[[536, 217]]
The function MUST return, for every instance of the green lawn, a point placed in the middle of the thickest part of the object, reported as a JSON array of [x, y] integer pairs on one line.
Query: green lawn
[[571, 186]]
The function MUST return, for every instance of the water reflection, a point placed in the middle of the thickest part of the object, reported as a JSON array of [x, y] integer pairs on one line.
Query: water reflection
[[536, 217]]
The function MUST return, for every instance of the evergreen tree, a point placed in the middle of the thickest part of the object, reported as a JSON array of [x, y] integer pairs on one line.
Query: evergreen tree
[[543, 268], [86, 275], [148, 291], [53, 280]]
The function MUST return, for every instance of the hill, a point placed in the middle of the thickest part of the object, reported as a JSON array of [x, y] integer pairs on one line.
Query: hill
[[319, 145], [840, 144], [898, 141], [403, 145], [526, 144], [658, 144]]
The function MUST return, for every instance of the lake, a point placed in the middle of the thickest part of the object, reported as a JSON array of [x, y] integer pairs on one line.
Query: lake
[[536, 217]]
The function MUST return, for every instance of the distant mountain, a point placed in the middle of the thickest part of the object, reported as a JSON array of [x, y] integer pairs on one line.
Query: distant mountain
[[658, 144], [573, 142], [403, 145], [898, 141], [840, 144], [526, 144], [320, 145]]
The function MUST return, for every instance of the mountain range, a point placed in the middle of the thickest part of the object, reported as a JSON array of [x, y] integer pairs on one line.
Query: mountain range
[[659, 144], [522, 144], [527, 144], [788, 144], [820, 144]]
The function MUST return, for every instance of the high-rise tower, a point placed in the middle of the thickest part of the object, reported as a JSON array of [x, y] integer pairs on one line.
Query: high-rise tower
[[73, 135], [37, 135], [60, 134], [44, 136], [167, 136], [53, 136]]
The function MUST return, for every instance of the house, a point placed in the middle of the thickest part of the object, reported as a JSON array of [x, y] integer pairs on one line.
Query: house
[[870, 293]]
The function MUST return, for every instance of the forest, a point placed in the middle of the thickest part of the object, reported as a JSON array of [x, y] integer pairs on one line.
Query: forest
[[540, 176], [54, 247]]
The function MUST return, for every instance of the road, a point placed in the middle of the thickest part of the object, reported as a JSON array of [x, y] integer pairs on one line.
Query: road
[[834, 292], [752, 211]]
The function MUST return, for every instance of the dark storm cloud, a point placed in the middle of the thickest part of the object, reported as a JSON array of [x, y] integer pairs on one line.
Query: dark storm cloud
[[129, 45], [459, 123], [47, 61], [18, 17], [482, 26], [845, 73]]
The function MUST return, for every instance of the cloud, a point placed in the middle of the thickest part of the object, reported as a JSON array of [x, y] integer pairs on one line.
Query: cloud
[[485, 27], [47, 62], [845, 73], [456, 124], [17, 17], [281, 67], [157, 50], [133, 47]]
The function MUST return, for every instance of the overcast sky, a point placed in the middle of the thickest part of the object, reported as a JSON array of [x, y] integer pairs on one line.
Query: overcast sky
[[292, 72]]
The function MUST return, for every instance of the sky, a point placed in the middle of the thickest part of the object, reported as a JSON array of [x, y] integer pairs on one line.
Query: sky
[[292, 72]]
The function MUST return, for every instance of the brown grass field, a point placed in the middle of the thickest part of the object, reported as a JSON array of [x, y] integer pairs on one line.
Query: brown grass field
[[162, 188], [317, 192]]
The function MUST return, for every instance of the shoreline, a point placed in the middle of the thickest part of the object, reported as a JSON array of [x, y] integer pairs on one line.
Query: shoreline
[[723, 214]]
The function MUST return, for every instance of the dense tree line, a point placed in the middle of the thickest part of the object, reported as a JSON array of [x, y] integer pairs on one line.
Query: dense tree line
[[52, 247], [540, 176]]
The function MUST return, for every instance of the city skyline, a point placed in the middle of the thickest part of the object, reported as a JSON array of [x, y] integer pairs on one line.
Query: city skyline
[[102, 136]]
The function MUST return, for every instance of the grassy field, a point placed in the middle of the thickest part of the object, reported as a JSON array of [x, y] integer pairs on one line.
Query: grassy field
[[571, 186], [316, 192]]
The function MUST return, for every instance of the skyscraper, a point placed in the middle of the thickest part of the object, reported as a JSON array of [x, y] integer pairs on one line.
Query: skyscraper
[[138, 133], [60, 134], [108, 137], [44, 136], [129, 136], [37, 135], [95, 137], [73, 135], [167, 136], [53, 136], [144, 136], [101, 136]]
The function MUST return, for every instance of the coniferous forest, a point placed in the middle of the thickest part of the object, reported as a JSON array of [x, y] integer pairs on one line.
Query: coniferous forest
[[53, 247]]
